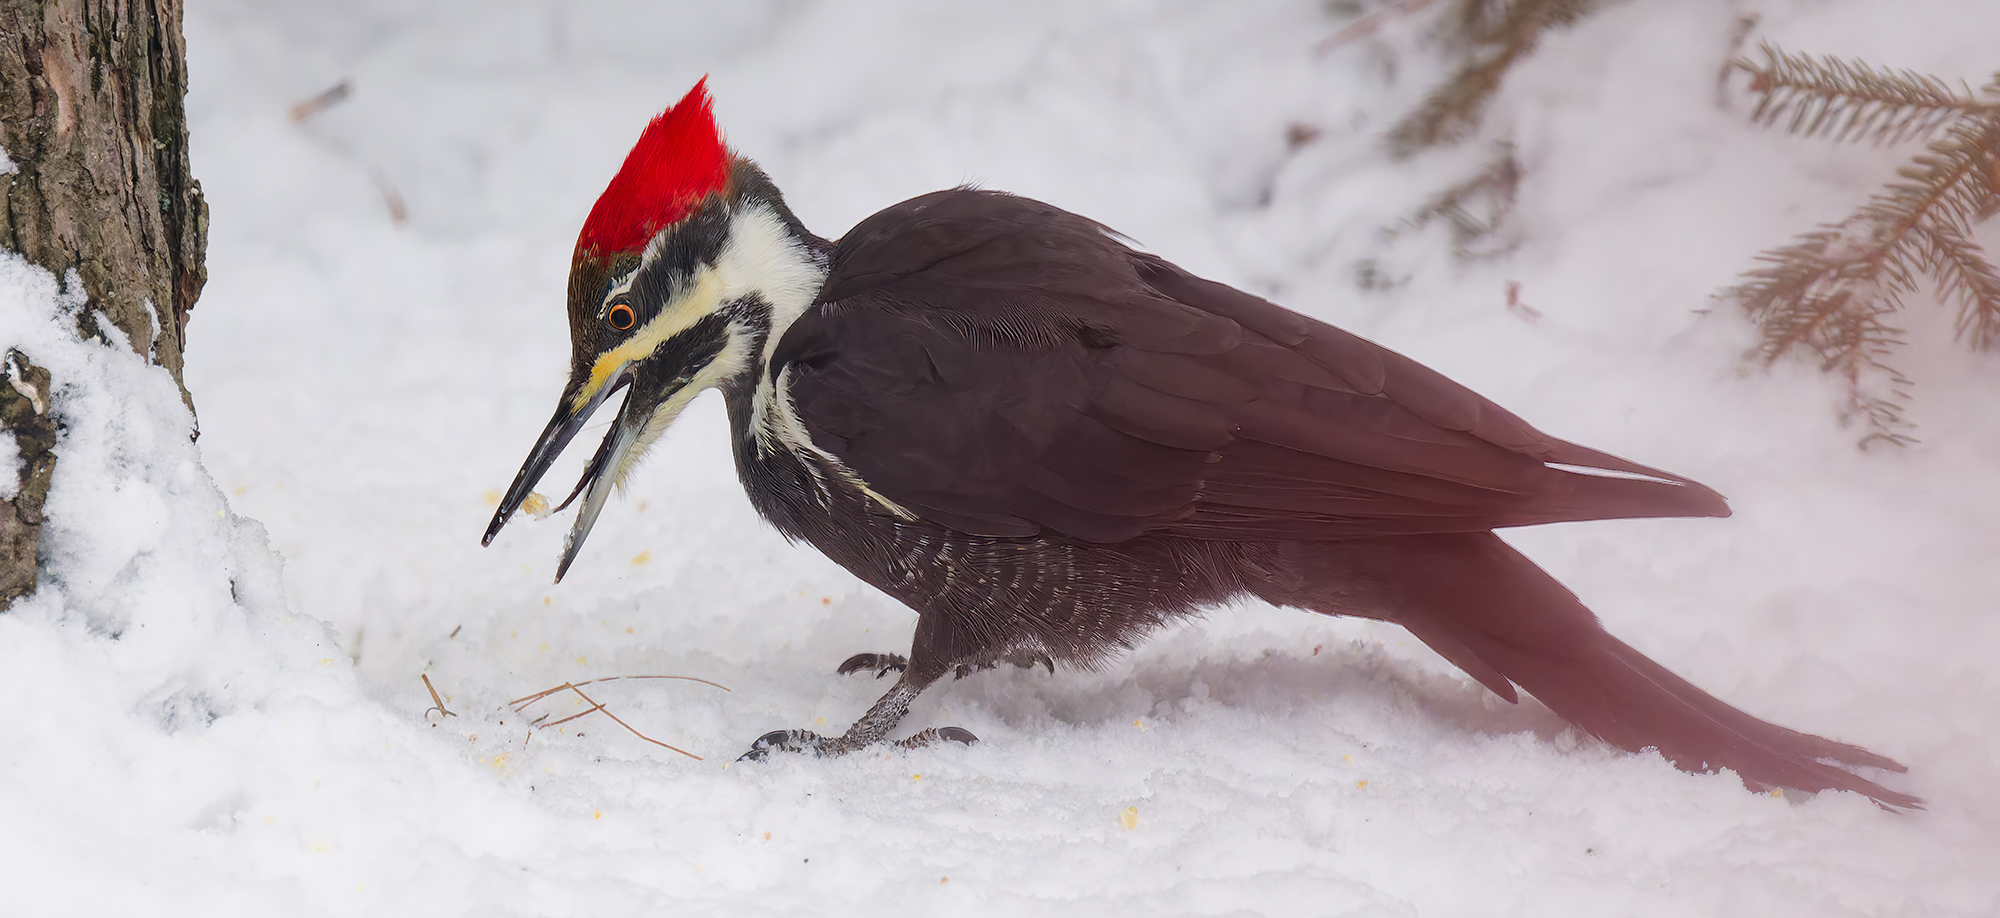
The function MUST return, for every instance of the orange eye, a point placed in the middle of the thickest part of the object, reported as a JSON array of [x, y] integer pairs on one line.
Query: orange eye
[[621, 317]]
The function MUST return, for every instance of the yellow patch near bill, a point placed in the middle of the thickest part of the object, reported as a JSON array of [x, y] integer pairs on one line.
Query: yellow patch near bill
[[679, 316]]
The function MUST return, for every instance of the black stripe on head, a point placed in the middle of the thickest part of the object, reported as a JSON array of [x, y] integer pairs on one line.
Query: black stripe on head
[[694, 243], [680, 358]]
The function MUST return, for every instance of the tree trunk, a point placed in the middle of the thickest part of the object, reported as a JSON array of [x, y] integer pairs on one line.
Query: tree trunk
[[91, 115]]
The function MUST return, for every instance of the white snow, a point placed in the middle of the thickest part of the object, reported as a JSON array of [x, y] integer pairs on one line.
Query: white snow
[[10, 463], [192, 729]]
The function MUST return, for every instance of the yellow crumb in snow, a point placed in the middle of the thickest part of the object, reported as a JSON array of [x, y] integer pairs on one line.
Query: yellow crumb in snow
[[536, 505], [767, 836], [1130, 818], [642, 557], [915, 777], [1361, 784], [491, 497], [326, 661], [580, 661], [1141, 726]]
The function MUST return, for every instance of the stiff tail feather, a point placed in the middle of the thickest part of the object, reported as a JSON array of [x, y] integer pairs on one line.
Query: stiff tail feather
[[1493, 613]]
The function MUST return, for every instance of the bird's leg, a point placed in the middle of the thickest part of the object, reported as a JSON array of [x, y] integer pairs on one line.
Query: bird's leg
[[885, 663], [869, 730]]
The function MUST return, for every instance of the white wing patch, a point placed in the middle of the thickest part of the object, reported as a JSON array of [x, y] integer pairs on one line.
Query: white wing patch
[[1596, 472], [763, 258]]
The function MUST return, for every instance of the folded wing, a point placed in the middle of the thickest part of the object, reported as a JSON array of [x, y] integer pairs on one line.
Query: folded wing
[[1004, 367]]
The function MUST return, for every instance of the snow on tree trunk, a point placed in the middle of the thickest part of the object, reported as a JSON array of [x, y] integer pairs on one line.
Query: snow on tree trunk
[[94, 170]]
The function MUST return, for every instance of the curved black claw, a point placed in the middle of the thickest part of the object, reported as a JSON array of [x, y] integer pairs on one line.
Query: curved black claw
[[1029, 659], [783, 741], [938, 734], [882, 663], [957, 735]]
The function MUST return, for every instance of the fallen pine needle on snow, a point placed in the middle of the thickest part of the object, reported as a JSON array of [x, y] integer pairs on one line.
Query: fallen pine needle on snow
[[437, 702], [521, 704]]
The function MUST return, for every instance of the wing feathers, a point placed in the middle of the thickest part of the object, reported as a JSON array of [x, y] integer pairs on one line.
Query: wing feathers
[[1004, 367]]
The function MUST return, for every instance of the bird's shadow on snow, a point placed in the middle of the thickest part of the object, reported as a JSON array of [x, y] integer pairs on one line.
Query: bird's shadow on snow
[[1346, 686]]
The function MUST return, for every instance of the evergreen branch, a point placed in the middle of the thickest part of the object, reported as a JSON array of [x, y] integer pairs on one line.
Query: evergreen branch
[[1965, 274], [1957, 177], [1498, 33], [1487, 22], [1453, 109], [1494, 187], [1812, 286], [1978, 140], [1828, 293], [1830, 97]]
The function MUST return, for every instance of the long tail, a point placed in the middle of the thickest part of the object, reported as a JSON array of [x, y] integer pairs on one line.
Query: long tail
[[1491, 611]]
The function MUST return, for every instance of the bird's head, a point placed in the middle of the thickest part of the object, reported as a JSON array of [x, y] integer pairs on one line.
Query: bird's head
[[685, 267]]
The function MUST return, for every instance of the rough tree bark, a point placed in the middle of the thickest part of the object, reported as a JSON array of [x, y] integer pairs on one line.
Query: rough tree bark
[[91, 114]]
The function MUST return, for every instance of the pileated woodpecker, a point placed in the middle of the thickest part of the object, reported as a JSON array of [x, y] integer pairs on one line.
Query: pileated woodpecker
[[1049, 444]]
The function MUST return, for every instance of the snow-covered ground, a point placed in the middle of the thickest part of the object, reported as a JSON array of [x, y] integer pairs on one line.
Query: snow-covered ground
[[194, 727]]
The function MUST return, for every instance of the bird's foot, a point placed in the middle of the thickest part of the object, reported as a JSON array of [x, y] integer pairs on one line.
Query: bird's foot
[[808, 741], [882, 663], [784, 741]]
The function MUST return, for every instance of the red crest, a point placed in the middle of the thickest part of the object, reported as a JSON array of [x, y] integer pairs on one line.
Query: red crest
[[678, 161]]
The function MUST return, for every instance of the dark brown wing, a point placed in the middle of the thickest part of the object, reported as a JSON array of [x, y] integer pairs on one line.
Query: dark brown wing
[[1004, 367]]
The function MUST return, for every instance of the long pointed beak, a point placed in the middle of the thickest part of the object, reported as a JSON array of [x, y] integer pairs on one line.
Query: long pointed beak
[[600, 477], [570, 418]]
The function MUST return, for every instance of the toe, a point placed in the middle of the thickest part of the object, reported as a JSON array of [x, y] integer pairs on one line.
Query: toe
[[882, 664]]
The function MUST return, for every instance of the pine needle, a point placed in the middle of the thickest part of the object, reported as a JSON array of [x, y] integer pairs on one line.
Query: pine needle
[[521, 704], [1849, 100], [1964, 274], [1495, 34], [1830, 292], [1476, 207]]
